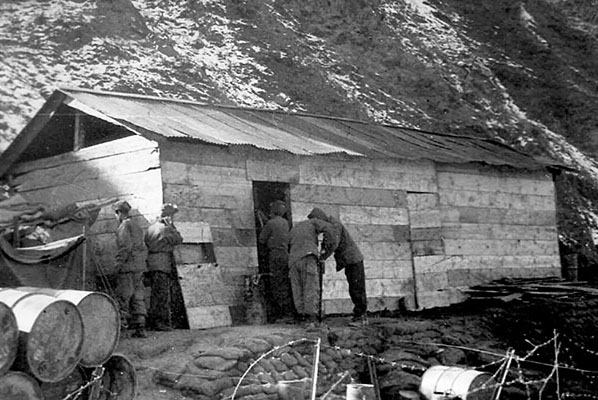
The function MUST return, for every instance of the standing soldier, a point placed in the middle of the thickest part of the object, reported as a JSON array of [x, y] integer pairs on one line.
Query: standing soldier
[[304, 256], [130, 267], [160, 239], [349, 258], [275, 238]]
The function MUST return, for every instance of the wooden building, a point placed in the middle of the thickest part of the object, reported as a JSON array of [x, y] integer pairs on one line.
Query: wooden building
[[432, 213]]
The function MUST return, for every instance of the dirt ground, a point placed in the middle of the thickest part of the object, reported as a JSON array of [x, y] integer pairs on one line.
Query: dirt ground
[[205, 364]]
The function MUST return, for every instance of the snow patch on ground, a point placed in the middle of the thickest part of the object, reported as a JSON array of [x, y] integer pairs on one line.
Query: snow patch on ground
[[214, 50], [418, 21], [192, 45]]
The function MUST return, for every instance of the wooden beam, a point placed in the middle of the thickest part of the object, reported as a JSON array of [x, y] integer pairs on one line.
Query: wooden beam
[[24, 139], [79, 133], [125, 145]]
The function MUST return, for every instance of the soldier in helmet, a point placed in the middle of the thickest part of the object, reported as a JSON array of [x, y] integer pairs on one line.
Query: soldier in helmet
[[130, 267]]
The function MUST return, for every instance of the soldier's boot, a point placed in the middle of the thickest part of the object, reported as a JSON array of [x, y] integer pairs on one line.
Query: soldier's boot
[[139, 327]]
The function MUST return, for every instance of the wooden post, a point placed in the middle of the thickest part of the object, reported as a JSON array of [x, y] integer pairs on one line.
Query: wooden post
[[413, 272], [556, 364], [510, 356], [78, 136], [16, 240], [321, 270], [374, 378], [314, 375], [84, 263]]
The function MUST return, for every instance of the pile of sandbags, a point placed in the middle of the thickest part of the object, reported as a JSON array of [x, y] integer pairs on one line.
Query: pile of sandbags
[[60, 343], [216, 372]]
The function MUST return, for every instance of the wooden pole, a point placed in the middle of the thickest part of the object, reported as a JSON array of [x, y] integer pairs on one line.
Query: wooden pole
[[413, 272], [314, 376], [84, 263], [556, 364], [321, 269], [510, 355], [78, 138], [374, 378], [16, 239]]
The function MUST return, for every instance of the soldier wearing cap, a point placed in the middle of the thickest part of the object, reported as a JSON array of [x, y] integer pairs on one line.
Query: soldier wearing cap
[[130, 267], [160, 239]]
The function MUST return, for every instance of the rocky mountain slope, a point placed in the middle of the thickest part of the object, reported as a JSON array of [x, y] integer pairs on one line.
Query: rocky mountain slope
[[521, 71]]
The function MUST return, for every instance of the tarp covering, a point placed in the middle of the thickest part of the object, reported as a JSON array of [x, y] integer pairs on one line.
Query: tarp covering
[[17, 207], [48, 252], [57, 265], [39, 254]]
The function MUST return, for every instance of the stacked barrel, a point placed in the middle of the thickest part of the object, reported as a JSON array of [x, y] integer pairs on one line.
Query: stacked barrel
[[57, 343]]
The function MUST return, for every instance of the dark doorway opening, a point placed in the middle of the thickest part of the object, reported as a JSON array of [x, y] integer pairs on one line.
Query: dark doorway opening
[[265, 193], [275, 283]]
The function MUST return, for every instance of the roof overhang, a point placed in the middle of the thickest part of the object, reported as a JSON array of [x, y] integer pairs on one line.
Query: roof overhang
[[161, 119]]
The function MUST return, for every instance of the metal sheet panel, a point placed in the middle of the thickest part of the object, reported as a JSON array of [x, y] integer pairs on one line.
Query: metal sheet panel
[[295, 133]]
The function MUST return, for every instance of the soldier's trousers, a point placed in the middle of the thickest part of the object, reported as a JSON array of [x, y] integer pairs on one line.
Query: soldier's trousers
[[306, 286], [280, 292], [130, 296], [356, 279], [161, 299]]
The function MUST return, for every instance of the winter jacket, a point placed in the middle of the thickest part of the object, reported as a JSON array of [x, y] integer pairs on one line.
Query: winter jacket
[[130, 252], [304, 240], [160, 239], [275, 234], [346, 251]]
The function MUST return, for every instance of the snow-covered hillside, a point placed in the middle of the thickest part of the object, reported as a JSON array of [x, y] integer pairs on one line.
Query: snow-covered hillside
[[521, 71]]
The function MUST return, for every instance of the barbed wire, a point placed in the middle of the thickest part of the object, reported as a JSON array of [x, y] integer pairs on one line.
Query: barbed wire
[[503, 359], [96, 376], [500, 357], [522, 359], [335, 384], [275, 348], [579, 395], [581, 347]]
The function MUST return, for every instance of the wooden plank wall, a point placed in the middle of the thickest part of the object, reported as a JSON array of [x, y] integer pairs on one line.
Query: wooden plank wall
[[426, 244], [211, 185], [127, 169], [214, 185], [451, 226], [495, 223], [371, 199]]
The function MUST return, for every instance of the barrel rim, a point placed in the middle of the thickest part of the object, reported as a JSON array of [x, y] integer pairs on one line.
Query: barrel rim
[[79, 351], [130, 368], [434, 375], [115, 338], [35, 384], [24, 295], [14, 345]]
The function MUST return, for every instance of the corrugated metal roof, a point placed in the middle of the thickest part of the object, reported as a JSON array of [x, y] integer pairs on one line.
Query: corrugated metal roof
[[293, 132]]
